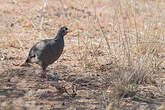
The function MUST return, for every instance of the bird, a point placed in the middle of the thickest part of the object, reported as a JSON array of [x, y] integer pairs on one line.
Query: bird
[[47, 51]]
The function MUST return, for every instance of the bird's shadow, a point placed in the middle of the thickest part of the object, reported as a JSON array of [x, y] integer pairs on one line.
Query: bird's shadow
[[64, 73], [10, 89]]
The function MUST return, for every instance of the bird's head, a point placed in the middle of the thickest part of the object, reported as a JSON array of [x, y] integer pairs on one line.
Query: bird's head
[[63, 30]]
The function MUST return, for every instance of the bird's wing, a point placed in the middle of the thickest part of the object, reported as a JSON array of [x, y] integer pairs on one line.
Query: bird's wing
[[41, 45], [35, 49], [41, 48]]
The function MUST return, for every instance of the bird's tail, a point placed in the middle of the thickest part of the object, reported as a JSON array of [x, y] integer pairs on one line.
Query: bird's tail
[[26, 63]]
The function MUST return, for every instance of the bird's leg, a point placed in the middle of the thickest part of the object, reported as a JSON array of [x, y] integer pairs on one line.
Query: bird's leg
[[43, 74]]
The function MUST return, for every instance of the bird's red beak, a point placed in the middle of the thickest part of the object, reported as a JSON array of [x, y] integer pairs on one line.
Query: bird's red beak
[[68, 31]]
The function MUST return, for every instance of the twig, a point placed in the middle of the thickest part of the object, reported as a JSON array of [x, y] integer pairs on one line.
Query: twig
[[43, 12]]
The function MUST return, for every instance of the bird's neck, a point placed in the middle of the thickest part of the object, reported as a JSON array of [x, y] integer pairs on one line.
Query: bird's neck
[[59, 36]]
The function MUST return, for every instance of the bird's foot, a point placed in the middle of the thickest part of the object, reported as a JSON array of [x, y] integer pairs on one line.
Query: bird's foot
[[43, 75]]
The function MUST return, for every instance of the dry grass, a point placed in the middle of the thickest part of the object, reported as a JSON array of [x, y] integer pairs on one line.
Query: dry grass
[[114, 54]]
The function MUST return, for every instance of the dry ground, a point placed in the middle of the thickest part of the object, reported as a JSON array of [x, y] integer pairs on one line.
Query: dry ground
[[114, 58]]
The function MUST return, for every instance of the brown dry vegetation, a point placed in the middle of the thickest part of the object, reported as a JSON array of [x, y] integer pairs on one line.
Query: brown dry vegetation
[[114, 57]]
